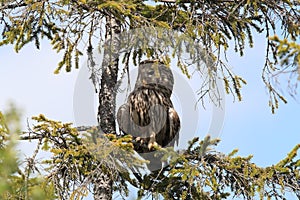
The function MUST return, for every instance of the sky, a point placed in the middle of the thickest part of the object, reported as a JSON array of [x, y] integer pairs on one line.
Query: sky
[[27, 79]]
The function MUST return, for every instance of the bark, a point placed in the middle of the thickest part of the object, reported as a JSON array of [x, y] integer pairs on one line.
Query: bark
[[107, 101], [107, 95], [102, 186]]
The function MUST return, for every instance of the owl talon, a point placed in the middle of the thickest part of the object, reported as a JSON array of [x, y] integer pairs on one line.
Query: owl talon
[[139, 140], [152, 145]]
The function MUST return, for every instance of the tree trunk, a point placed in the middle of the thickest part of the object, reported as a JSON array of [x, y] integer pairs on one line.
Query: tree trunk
[[107, 100], [107, 95], [102, 186]]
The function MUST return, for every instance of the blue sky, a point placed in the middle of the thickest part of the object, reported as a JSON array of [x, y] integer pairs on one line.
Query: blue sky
[[27, 79]]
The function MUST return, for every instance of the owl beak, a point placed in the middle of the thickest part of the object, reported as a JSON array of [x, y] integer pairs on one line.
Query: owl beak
[[144, 82]]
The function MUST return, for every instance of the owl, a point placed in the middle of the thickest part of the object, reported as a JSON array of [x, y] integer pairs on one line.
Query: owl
[[149, 115]]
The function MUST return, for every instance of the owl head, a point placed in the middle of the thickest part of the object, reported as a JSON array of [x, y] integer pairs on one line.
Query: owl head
[[154, 73]]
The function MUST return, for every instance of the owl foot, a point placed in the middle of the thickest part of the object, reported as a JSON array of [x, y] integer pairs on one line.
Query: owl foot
[[140, 140], [152, 142], [152, 145]]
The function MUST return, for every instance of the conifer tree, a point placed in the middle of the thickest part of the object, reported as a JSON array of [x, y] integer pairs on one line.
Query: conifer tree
[[74, 27]]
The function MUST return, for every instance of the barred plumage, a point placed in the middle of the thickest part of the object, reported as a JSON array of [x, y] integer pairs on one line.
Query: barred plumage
[[148, 114]]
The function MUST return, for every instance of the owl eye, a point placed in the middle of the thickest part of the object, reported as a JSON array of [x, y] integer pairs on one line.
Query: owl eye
[[151, 72]]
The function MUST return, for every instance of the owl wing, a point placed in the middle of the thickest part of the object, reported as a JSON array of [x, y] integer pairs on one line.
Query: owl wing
[[174, 126], [123, 119], [169, 135]]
